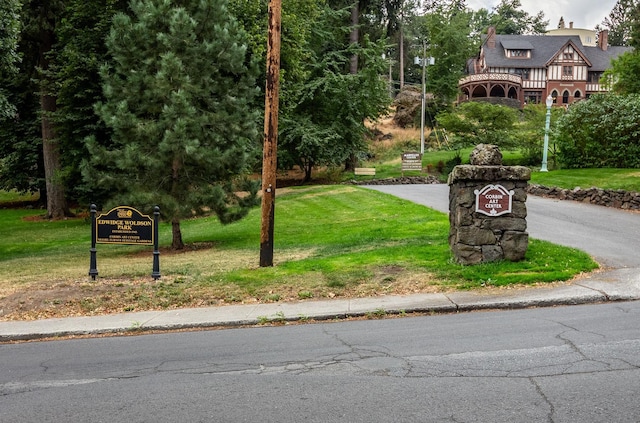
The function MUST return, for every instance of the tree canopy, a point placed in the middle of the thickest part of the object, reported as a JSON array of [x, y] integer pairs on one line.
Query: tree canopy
[[602, 131], [9, 31], [507, 17], [620, 21], [480, 122], [177, 99], [324, 115]]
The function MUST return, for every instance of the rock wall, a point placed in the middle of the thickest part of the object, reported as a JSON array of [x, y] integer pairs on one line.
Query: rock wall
[[403, 180], [603, 197]]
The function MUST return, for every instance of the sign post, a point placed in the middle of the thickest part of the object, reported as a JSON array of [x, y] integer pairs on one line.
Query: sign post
[[93, 266], [411, 160], [124, 225]]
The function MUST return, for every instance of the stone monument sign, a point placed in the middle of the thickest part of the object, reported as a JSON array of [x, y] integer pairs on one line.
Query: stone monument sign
[[487, 210]]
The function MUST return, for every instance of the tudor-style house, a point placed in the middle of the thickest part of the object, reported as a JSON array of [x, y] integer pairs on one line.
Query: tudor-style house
[[520, 69]]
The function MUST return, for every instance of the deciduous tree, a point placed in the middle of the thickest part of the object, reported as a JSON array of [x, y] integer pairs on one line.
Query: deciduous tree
[[479, 122]]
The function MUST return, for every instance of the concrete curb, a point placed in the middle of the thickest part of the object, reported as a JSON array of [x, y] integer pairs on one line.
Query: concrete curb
[[613, 285]]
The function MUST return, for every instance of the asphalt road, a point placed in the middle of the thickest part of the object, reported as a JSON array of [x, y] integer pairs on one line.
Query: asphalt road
[[562, 364], [572, 364], [611, 236]]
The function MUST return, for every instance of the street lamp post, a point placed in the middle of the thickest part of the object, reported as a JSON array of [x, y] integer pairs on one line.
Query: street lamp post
[[424, 61], [549, 102]]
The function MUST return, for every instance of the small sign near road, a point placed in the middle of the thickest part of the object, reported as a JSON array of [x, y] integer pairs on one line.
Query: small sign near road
[[493, 200], [411, 160], [124, 225]]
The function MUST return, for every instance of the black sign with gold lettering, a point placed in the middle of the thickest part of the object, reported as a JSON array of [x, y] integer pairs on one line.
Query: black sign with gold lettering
[[124, 225]]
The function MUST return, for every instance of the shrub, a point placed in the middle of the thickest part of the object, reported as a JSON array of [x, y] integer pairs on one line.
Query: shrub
[[603, 131]]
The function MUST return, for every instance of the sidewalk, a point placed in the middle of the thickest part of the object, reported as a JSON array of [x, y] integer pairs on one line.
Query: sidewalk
[[612, 285]]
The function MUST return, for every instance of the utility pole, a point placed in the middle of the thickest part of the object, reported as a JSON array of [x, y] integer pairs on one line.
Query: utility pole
[[269, 154], [424, 94]]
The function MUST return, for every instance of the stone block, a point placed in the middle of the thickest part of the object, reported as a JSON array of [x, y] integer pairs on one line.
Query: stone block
[[472, 235], [486, 155], [462, 217], [514, 245], [492, 253], [467, 254], [519, 210], [505, 224]]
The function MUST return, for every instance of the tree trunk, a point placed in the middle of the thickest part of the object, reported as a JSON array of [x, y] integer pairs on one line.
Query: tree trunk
[[176, 233], [57, 207], [354, 36], [307, 171], [176, 239]]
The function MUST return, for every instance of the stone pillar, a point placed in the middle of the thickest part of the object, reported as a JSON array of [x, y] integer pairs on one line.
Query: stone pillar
[[487, 210]]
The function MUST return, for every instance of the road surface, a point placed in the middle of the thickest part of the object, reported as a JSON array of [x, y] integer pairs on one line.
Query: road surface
[[566, 364]]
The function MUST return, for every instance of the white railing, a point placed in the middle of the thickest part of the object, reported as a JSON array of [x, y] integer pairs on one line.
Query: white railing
[[491, 77]]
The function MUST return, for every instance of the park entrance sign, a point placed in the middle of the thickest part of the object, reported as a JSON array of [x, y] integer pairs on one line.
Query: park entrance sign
[[124, 225]]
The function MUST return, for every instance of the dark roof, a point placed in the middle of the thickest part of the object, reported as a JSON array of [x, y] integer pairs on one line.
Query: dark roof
[[601, 60], [517, 44], [543, 48]]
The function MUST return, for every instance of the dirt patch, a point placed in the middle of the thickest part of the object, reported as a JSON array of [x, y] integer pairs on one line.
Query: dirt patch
[[71, 298]]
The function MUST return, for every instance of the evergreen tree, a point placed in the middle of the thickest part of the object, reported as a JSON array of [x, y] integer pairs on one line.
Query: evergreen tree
[[9, 30], [28, 142], [622, 76], [619, 22], [177, 101], [20, 136], [79, 53]]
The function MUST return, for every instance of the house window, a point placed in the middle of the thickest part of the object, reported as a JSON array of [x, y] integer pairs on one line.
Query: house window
[[567, 55], [577, 94], [533, 97], [594, 77], [567, 72], [518, 53], [523, 73], [565, 97]]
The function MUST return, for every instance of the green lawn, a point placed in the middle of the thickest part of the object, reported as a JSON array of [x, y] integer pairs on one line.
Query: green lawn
[[329, 241], [624, 179]]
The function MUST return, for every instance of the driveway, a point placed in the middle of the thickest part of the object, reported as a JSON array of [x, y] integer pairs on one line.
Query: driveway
[[611, 236]]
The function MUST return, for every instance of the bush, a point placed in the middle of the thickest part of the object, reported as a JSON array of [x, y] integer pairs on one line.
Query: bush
[[603, 131]]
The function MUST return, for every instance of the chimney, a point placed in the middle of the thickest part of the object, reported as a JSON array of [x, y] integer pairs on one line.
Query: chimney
[[603, 39], [570, 25], [491, 37], [561, 23]]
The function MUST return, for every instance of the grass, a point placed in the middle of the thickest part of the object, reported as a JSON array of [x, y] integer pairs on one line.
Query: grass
[[13, 196], [624, 179], [330, 241]]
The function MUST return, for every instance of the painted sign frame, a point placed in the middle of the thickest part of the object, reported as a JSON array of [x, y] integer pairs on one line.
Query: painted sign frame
[[494, 200]]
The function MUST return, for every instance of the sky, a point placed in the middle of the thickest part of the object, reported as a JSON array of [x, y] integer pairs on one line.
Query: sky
[[587, 14]]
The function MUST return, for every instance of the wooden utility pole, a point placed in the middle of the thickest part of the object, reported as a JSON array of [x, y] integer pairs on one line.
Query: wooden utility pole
[[269, 154]]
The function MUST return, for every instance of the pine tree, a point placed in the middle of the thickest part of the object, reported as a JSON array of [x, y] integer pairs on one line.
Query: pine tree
[[9, 29], [619, 22], [178, 102]]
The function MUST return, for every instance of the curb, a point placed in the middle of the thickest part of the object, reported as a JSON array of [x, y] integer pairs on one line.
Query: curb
[[599, 287]]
